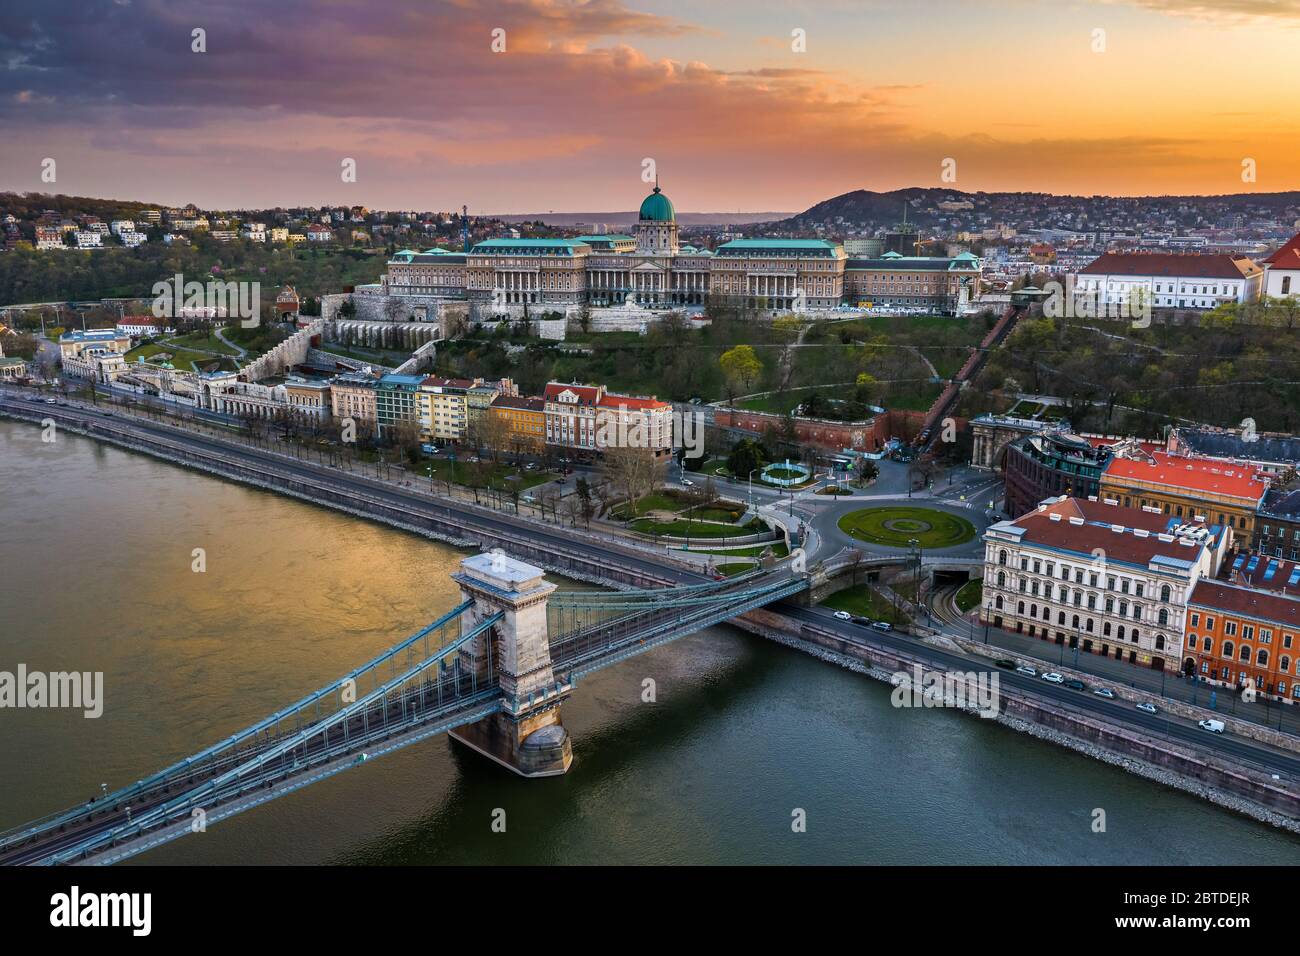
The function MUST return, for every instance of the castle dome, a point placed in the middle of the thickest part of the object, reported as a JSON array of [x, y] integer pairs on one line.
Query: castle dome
[[657, 208]]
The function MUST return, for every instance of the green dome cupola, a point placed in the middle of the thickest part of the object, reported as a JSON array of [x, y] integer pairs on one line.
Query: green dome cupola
[[657, 208]]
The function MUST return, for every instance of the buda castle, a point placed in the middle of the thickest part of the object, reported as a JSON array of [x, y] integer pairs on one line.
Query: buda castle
[[653, 270]]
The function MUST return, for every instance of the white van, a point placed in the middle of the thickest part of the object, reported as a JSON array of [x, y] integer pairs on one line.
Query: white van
[[1213, 726]]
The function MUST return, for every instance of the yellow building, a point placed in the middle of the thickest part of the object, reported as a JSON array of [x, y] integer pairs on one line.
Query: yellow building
[[353, 396], [523, 420], [1188, 487], [444, 409]]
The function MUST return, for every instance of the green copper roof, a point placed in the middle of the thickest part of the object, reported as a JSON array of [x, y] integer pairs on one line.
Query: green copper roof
[[813, 247], [562, 247], [657, 208]]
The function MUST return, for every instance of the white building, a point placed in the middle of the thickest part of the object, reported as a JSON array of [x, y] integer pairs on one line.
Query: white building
[[86, 239], [119, 226], [138, 325], [1103, 578], [132, 239], [1170, 280], [1282, 270], [49, 239]]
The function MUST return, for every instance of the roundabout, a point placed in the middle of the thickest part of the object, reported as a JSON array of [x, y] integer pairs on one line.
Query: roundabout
[[896, 526]]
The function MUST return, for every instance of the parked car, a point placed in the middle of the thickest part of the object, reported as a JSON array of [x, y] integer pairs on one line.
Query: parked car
[[1213, 726], [1074, 684], [688, 483], [882, 625], [1054, 678], [1005, 664], [1104, 692], [859, 619], [1147, 708], [1026, 670], [843, 616]]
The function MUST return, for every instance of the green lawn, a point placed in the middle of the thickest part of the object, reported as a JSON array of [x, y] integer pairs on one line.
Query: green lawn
[[500, 478], [725, 515], [695, 529], [778, 403], [969, 596], [181, 358], [201, 341], [732, 568], [897, 526], [656, 501], [865, 601]]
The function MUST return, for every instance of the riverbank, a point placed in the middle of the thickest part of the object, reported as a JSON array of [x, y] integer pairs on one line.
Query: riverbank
[[785, 630]]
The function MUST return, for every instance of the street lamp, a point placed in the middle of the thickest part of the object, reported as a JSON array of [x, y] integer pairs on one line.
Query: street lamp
[[751, 484]]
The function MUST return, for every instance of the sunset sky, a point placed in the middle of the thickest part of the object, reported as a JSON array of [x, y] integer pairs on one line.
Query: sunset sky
[[710, 90]]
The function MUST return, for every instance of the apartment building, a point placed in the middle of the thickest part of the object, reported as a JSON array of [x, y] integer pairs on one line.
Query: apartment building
[[524, 421], [443, 409], [353, 396], [571, 416], [1242, 631], [1099, 577]]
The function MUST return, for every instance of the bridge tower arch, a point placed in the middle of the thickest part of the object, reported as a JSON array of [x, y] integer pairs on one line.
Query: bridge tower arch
[[526, 735]]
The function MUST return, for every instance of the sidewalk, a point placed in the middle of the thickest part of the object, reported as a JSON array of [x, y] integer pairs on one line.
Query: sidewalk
[[1174, 686]]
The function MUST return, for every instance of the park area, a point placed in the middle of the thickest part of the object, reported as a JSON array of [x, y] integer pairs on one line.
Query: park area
[[898, 526]]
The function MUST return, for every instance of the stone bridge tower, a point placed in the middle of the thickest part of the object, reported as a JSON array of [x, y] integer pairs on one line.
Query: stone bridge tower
[[526, 735]]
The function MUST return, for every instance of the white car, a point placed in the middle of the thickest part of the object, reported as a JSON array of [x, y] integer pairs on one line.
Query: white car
[[1026, 669], [1105, 692], [1147, 708], [1054, 678], [1213, 726], [843, 616], [688, 483]]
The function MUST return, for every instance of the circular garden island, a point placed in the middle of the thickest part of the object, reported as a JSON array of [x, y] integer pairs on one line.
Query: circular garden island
[[896, 526]]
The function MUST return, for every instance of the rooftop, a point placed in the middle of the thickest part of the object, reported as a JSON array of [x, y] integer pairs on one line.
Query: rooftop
[[1189, 265], [1277, 608], [1186, 473], [1227, 443], [1130, 536]]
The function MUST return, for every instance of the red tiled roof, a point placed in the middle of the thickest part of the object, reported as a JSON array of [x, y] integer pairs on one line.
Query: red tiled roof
[[631, 404], [1188, 473], [587, 394], [1288, 257], [435, 382], [1247, 602], [1097, 533], [1187, 265]]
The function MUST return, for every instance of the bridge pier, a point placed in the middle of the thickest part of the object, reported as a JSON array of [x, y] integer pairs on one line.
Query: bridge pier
[[526, 735]]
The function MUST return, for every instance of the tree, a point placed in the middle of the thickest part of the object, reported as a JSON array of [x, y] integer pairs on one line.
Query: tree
[[634, 471], [867, 471], [747, 455], [741, 366]]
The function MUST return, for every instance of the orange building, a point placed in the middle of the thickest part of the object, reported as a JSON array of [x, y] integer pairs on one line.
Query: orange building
[[1185, 486], [1245, 629], [525, 422]]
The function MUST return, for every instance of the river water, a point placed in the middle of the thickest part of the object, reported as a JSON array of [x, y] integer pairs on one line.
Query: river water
[[96, 558]]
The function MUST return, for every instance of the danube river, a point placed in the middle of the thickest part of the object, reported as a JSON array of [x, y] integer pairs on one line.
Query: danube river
[[96, 555]]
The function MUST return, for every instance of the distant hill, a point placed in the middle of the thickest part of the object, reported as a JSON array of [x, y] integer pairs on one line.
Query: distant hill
[[622, 219], [864, 208]]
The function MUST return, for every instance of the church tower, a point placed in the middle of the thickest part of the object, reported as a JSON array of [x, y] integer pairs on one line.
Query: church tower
[[656, 229]]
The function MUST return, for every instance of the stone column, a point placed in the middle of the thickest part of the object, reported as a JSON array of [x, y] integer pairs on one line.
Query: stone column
[[526, 735]]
